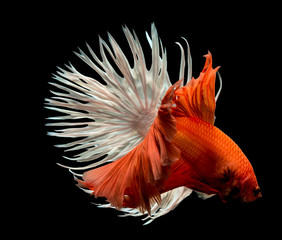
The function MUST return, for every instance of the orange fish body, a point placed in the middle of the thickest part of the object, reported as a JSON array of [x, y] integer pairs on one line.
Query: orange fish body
[[214, 163], [210, 162]]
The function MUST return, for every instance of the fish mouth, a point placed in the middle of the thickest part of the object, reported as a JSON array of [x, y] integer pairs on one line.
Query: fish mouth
[[249, 200], [259, 195]]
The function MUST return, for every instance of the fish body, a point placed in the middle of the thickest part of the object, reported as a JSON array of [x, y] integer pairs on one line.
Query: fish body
[[211, 162], [150, 144]]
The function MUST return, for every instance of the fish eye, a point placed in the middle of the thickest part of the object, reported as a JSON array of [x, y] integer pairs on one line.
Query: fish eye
[[256, 191]]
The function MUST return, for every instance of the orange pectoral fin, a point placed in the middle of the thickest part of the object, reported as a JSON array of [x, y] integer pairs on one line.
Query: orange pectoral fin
[[197, 98], [135, 179], [201, 187], [182, 174]]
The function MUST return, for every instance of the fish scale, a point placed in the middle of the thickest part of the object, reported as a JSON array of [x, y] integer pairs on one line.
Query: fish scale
[[207, 148]]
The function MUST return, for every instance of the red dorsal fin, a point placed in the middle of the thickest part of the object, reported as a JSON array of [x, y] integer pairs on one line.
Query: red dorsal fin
[[135, 179], [197, 98]]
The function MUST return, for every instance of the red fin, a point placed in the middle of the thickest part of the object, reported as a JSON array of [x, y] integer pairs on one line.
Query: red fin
[[201, 187], [182, 174], [197, 98], [135, 179]]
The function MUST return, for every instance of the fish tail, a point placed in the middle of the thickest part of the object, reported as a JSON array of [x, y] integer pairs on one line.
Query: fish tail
[[135, 180], [104, 120]]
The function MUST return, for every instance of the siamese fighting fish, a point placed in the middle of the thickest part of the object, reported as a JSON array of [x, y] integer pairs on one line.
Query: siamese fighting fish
[[145, 144]]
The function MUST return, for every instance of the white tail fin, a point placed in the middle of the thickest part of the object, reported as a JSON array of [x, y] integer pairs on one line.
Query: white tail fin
[[114, 117]]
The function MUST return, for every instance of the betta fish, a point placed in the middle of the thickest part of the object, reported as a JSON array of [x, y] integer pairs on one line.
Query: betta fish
[[147, 144]]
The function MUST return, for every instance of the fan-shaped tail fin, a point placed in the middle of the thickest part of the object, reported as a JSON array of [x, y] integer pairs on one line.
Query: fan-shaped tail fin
[[108, 120]]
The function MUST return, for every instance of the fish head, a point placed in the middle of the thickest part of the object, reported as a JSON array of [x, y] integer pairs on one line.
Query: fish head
[[236, 185], [250, 190]]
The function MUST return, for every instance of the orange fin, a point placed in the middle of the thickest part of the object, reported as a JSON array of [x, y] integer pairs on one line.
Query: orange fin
[[135, 179], [182, 174], [197, 98]]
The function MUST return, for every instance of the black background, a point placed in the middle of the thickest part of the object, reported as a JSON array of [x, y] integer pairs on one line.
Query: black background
[[242, 40]]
